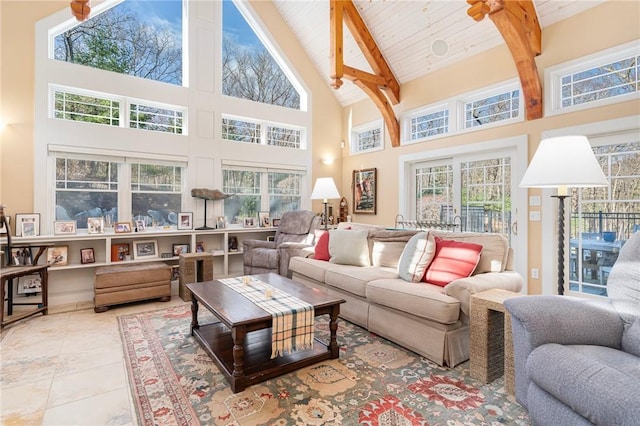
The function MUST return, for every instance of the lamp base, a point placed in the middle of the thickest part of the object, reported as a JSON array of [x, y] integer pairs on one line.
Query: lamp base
[[560, 242]]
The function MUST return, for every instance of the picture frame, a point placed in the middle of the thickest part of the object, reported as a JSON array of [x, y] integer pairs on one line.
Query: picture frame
[[263, 219], [21, 256], [179, 249], [95, 225], [275, 222], [3, 229], [122, 227], [364, 186], [30, 285], [120, 252], [249, 222], [199, 246], [145, 249], [233, 243], [221, 222], [87, 255], [140, 226], [57, 255], [28, 229], [29, 218], [64, 227], [185, 220]]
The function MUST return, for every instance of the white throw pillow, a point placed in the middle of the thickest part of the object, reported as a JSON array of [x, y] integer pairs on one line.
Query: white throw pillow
[[416, 257], [349, 247]]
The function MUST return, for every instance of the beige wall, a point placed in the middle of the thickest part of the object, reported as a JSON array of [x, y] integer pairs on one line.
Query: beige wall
[[604, 26]]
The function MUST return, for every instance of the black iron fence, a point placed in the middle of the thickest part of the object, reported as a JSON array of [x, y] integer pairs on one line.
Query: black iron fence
[[605, 225]]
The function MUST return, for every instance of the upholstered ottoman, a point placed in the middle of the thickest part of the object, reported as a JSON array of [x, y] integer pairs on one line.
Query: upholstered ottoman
[[116, 284]]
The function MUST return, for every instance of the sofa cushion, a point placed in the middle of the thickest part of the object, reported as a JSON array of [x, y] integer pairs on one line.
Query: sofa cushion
[[631, 338], [322, 245], [420, 299], [309, 267], [416, 257], [602, 384], [494, 247], [453, 260], [349, 247], [354, 279], [387, 246]]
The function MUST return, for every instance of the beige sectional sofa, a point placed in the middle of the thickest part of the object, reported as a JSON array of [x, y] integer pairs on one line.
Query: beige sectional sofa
[[426, 318]]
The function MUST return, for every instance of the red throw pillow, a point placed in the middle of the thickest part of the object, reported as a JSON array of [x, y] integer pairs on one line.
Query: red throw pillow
[[453, 260], [322, 246]]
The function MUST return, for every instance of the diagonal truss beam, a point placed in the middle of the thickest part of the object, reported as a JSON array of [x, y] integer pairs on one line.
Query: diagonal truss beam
[[376, 85], [518, 23]]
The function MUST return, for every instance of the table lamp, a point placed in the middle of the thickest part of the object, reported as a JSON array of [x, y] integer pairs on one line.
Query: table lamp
[[563, 162], [325, 189]]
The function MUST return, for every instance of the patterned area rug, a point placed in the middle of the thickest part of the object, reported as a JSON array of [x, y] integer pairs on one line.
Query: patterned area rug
[[174, 382]]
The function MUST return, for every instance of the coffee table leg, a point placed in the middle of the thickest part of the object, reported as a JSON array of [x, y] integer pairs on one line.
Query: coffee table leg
[[238, 334], [333, 327], [194, 314]]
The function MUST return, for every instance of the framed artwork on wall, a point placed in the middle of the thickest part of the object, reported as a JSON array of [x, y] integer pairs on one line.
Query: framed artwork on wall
[[364, 191]]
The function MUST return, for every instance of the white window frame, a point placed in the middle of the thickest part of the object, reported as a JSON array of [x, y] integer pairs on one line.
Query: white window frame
[[264, 128], [553, 78], [456, 107], [357, 130]]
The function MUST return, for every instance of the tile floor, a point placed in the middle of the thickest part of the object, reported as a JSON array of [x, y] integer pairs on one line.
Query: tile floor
[[67, 369]]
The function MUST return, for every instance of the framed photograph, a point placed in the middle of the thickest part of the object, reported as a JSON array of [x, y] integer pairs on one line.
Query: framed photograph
[[221, 222], [147, 249], [64, 227], [30, 285], [233, 243], [263, 218], [122, 227], [120, 252], [185, 220], [199, 247], [3, 229], [57, 256], [275, 222], [140, 226], [32, 224], [364, 191], [249, 222], [175, 272], [87, 256], [95, 225], [179, 249], [21, 256]]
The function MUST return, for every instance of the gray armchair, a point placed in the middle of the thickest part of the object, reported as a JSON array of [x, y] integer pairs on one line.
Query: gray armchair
[[295, 232], [577, 360]]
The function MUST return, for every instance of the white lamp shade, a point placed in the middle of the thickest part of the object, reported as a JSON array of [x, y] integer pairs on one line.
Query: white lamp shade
[[562, 162], [324, 189]]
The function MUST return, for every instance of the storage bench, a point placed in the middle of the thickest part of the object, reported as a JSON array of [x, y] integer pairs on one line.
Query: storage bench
[[116, 284]]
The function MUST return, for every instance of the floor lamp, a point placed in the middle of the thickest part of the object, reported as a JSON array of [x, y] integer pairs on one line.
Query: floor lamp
[[563, 162], [325, 189]]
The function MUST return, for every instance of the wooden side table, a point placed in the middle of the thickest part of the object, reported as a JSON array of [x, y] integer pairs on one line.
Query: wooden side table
[[7, 275], [491, 352]]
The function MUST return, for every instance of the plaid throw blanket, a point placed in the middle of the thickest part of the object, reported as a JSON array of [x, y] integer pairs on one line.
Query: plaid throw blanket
[[292, 328]]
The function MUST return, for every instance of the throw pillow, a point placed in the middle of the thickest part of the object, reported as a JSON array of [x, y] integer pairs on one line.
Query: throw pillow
[[322, 245], [416, 256], [349, 247], [453, 260]]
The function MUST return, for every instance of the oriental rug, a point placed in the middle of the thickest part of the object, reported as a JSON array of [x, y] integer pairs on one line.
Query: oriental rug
[[374, 382]]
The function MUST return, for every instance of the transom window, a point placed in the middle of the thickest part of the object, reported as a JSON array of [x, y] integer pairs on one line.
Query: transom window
[[429, 124], [99, 108], [491, 109], [258, 132], [367, 137]]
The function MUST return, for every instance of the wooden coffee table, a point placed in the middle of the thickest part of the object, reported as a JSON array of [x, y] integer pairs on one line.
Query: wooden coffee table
[[240, 342]]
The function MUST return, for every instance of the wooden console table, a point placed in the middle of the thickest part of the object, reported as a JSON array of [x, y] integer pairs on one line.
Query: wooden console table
[[491, 353], [7, 275]]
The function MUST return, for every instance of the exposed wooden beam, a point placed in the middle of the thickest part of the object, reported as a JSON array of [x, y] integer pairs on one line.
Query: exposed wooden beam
[[518, 23], [373, 85]]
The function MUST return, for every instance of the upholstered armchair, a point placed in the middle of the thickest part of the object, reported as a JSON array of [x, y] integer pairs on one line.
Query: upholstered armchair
[[295, 232], [577, 360]]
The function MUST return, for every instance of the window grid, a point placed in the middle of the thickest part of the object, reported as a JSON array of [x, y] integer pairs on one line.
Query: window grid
[[157, 119], [601, 82], [240, 131], [90, 109], [434, 193], [498, 107], [282, 136], [432, 124], [369, 139]]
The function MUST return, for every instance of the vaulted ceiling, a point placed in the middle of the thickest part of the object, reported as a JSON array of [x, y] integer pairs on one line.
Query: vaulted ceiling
[[415, 37]]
